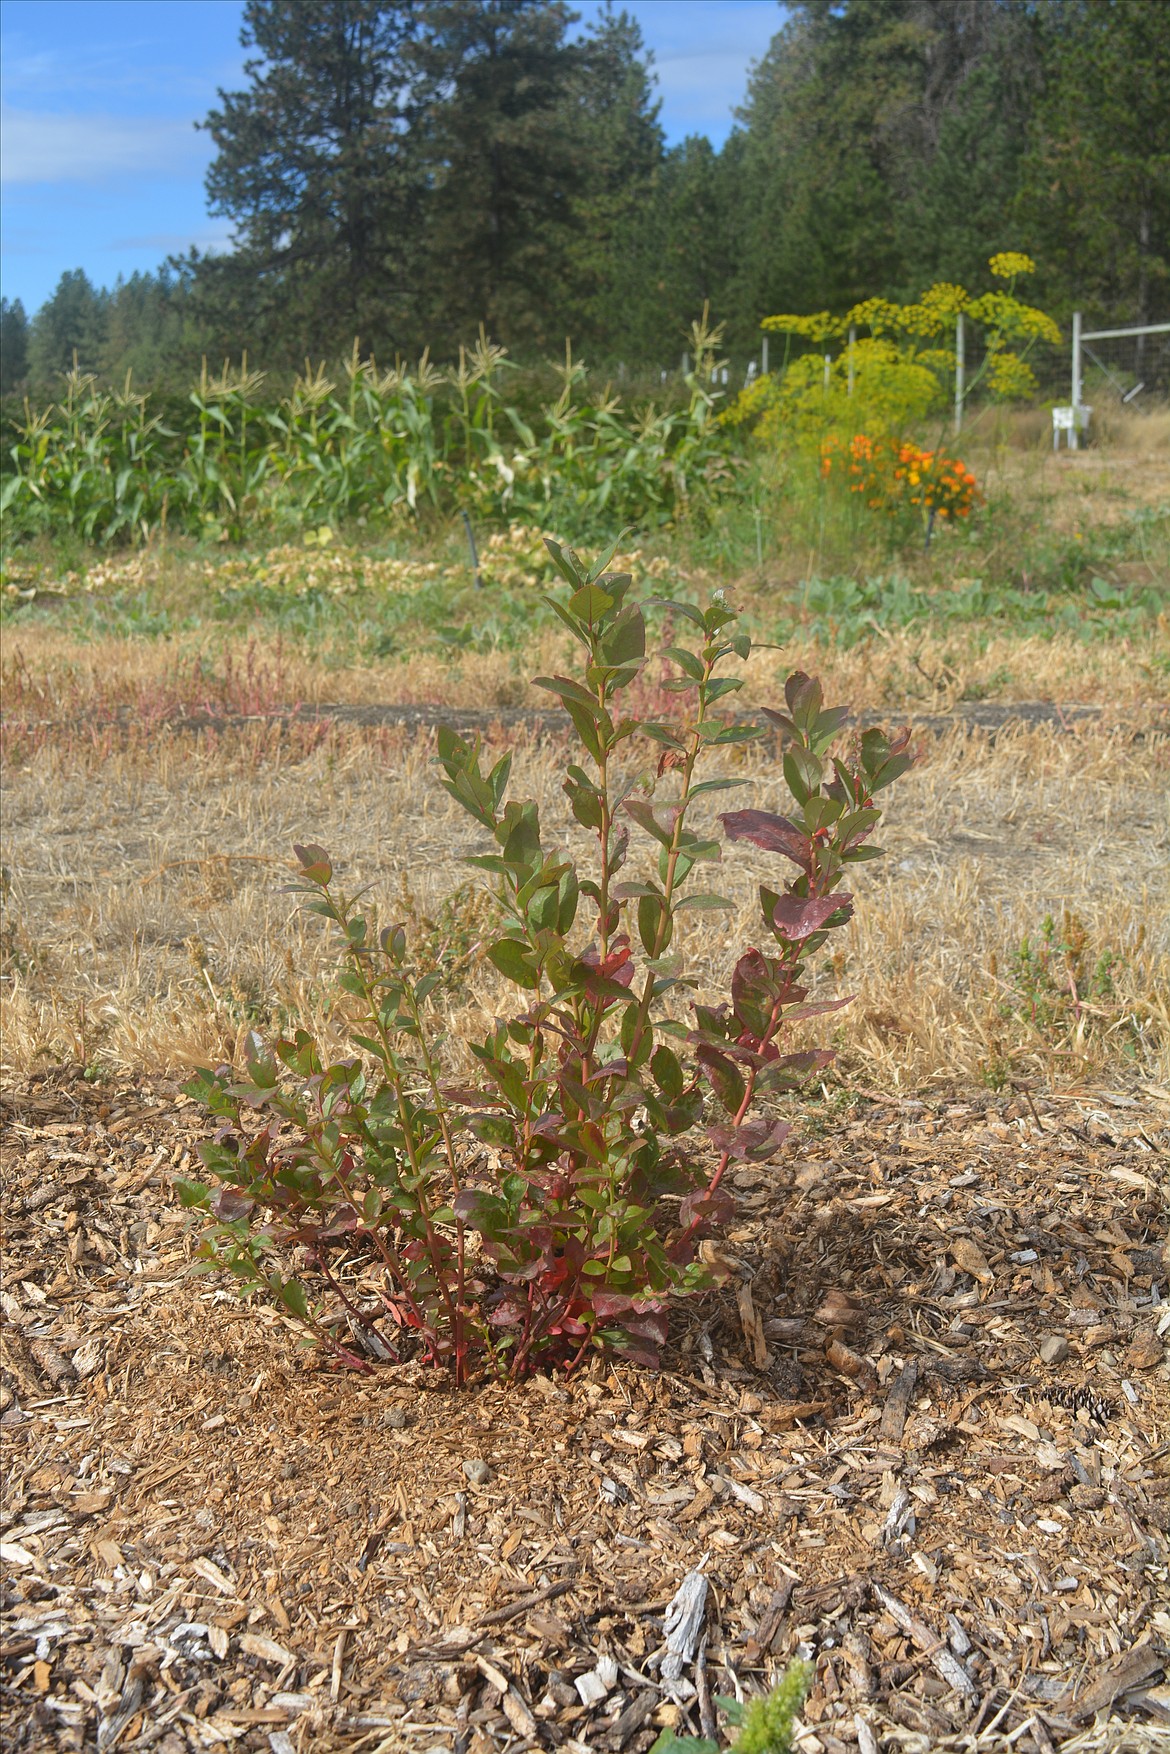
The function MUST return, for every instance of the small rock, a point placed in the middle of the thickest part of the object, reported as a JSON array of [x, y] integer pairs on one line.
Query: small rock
[[1054, 1349], [477, 1471], [394, 1419]]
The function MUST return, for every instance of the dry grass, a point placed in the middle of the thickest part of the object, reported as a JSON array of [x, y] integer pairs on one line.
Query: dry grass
[[65, 694], [1133, 431], [145, 925]]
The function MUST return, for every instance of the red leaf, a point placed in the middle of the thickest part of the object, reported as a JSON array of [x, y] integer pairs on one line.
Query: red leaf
[[715, 1207], [774, 833], [797, 917], [752, 1142]]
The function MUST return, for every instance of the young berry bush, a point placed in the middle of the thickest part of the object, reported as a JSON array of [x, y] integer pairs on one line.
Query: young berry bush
[[556, 1204]]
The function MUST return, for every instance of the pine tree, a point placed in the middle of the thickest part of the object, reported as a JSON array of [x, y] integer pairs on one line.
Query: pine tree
[[13, 345], [620, 141], [70, 326], [313, 166], [1095, 204], [504, 168]]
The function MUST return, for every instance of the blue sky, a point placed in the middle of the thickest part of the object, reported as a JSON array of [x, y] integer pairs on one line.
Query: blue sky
[[102, 169]]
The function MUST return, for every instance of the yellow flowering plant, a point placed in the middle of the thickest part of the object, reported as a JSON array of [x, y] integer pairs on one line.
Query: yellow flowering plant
[[903, 368]]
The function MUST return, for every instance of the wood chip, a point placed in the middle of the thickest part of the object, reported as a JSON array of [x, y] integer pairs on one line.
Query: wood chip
[[254, 1644], [898, 1403], [1125, 1672], [683, 1624], [753, 1327], [969, 1258], [760, 1643], [851, 1364], [518, 1714], [210, 1572], [928, 1642]]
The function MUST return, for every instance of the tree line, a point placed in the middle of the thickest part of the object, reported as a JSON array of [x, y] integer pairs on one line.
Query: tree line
[[405, 172]]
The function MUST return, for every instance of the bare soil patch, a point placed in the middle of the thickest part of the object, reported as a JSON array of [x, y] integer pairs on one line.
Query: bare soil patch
[[868, 1439]]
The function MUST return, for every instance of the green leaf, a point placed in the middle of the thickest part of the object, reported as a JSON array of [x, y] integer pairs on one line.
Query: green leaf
[[590, 604], [193, 1195], [567, 689], [519, 835], [643, 813], [703, 903], [515, 962], [625, 642], [686, 610], [687, 662], [716, 786], [565, 563], [602, 565], [655, 926], [803, 772], [292, 1294], [670, 1742], [668, 1073]]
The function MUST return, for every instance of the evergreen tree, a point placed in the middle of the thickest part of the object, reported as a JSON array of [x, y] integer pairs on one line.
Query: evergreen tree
[[13, 345], [151, 331], [313, 166], [884, 147], [1096, 198], [820, 227], [70, 326], [698, 239], [505, 169], [620, 141]]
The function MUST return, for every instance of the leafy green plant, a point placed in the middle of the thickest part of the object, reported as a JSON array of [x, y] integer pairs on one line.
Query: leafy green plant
[[764, 1724], [1059, 982], [603, 1124]]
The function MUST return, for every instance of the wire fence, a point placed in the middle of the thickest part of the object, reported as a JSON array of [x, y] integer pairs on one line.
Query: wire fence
[[1128, 366]]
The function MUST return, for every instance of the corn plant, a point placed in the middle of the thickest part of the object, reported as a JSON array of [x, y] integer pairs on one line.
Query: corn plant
[[222, 473], [386, 444], [556, 1204], [93, 462]]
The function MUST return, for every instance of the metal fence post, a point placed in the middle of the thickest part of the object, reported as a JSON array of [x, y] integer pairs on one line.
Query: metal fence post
[[764, 357], [960, 371], [1074, 436]]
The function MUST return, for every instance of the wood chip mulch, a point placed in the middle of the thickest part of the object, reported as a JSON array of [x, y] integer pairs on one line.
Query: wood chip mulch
[[922, 1437]]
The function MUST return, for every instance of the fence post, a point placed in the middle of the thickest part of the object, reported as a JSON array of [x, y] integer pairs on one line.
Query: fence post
[[1074, 436], [960, 371], [686, 364], [828, 365], [852, 340], [764, 357]]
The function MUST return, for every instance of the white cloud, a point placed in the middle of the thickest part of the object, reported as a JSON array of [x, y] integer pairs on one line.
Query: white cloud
[[39, 147], [208, 237]]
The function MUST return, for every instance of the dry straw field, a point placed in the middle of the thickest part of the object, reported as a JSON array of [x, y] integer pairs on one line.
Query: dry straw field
[[922, 1434]]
